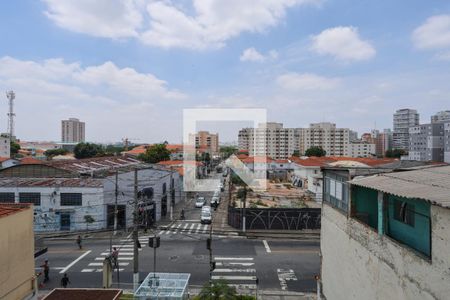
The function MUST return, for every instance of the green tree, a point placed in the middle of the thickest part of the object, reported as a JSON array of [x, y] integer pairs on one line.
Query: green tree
[[396, 153], [155, 154], [296, 153], [15, 147], [227, 151], [315, 151], [114, 150], [88, 150], [89, 220], [55, 152]]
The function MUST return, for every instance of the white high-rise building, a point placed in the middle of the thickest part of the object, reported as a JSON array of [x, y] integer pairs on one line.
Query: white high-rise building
[[271, 139], [335, 141], [5, 146], [403, 120], [441, 117], [72, 131]]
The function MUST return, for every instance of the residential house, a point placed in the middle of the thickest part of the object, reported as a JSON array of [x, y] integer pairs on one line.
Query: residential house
[[386, 234], [17, 276]]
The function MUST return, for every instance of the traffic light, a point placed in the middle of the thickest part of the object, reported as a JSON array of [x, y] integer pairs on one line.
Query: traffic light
[[154, 244], [208, 243]]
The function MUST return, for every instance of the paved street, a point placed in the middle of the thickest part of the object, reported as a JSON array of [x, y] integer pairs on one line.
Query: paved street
[[284, 265], [279, 264]]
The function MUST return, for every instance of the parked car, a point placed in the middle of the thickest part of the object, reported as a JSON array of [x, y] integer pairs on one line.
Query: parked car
[[200, 202]]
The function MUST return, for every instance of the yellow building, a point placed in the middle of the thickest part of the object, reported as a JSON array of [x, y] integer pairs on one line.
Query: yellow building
[[17, 251]]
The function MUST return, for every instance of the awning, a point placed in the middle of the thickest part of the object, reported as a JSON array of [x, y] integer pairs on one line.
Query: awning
[[430, 184]]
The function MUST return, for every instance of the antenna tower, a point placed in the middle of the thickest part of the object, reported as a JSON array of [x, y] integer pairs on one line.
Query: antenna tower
[[11, 96]]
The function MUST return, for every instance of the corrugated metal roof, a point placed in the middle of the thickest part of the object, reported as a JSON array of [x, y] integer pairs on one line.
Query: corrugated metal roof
[[430, 184], [51, 182]]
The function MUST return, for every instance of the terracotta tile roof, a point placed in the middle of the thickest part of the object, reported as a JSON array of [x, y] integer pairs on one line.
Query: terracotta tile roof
[[314, 161], [84, 294], [12, 208], [179, 162], [2, 159], [30, 160], [257, 159], [282, 161]]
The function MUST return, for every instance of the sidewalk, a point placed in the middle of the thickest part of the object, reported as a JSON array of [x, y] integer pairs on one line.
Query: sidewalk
[[267, 294]]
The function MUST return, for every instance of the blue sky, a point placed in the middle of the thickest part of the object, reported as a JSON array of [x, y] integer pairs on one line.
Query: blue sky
[[128, 68]]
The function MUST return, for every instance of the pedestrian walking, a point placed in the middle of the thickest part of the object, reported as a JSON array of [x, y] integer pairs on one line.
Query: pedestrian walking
[[79, 242], [65, 281], [46, 270], [115, 256]]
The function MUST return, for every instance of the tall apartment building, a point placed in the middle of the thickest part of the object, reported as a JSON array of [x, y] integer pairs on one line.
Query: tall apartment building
[[72, 131], [360, 149], [426, 142], [447, 142], [5, 147], [441, 117], [403, 119], [271, 139], [335, 141], [205, 141]]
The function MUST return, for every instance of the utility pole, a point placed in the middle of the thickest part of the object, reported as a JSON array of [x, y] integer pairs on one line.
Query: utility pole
[[135, 233], [116, 194], [172, 195], [244, 207]]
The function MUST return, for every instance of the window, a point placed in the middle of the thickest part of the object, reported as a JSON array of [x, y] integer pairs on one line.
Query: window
[[69, 199], [404, 212], [7, 198], [34, 198]]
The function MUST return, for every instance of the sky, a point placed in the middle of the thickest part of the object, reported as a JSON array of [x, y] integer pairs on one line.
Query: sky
[[128, 68]]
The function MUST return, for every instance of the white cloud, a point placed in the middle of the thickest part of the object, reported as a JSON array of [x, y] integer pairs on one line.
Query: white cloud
[[103, 95], [251, 54], [211, 25], [101, 18], [306, 81], [433, 34], [343, 43]]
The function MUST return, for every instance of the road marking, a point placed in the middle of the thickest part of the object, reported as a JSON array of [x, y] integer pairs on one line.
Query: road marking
[[205, 227], [125, 258], [244, 264], [199, 226], [161, 232], [95, 264], [233, 258], [244, 286], [190, 229], [234, 271], [285, 275], [74, 262], [266, 245], [87, 270], [186, 226], [234, 277]]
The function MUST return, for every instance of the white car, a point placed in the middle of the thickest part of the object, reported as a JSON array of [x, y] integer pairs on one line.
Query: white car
[[200, 202], [206, 217], [215, 201]]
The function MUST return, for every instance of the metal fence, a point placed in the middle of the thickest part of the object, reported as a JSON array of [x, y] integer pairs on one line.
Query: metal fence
[[275, 218]]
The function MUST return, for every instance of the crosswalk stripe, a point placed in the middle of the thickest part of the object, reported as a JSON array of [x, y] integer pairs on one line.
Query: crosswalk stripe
[[198, 228], [192, 227], [234, 277], [186, 226], [87, 270], [234, 270], [233, 258], [95, 264], [205, 227], [244, 286]]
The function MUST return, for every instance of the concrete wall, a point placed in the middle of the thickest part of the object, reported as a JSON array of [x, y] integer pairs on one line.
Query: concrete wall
[[47, 215], [359, 264], [17, 255]]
